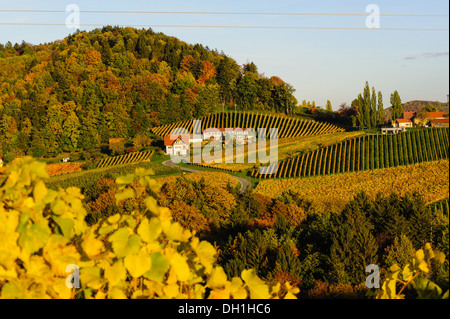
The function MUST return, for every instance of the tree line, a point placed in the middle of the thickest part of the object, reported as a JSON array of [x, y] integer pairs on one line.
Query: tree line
[[369, 111], [79, 92]]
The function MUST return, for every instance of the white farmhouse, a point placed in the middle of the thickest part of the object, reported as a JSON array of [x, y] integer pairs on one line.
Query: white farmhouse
[[177, 146]]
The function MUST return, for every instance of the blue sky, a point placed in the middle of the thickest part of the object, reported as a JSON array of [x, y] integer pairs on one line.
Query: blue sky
[[321, 64]]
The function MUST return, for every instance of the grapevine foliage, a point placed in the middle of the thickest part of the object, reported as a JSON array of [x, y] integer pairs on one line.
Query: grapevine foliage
[[413, 274], [143, 254]]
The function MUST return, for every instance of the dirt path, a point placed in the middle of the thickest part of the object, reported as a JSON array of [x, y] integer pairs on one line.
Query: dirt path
[[245, 183]]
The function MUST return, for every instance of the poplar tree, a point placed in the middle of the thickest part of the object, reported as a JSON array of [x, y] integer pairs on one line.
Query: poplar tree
[[380, 109], [397, 109], [373, 109]]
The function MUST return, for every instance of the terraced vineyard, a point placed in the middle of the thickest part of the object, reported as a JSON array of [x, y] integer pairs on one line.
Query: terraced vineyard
[[287, 126], [125, 159], [367, 152]]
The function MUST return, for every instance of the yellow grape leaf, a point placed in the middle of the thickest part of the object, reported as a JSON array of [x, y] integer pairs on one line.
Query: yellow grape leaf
[[115, 273], [217, 279], [61, 289], [152, 205], [40, 191], [117, 293], [407, 273], [206, 254], [126, 194], [123, 243], [59, 255], [114, 219], [424, 266], [175, 232], [90, 277], [149, 230], [171, 290], [219, 294], [420, 255], [138, 264], [180, 267], [9, 250], [291, 291], [258, 289], [237, 289], [91, 245]]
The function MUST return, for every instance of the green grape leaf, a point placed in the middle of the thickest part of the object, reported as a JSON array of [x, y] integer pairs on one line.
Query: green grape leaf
[[65, 225], [34, 236], [123, 244], [426, 289], [127, 179], [127, 193], [160, 265]]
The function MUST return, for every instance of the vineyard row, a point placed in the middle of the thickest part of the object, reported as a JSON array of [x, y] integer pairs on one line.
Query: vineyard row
[[287, 126], [125, 159], [365, 153]]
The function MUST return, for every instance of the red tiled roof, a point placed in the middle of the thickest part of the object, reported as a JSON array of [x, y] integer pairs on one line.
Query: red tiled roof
[[168, 140], [431, 115], [408, 115], [403, 120], [439, 120]]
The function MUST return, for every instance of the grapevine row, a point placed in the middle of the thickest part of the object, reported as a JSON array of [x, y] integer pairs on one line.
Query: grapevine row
[[287, 126], [366, 153], [125, 159]]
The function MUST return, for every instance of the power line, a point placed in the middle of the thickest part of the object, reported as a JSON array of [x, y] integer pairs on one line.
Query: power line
[[224, 26], [224, 13]]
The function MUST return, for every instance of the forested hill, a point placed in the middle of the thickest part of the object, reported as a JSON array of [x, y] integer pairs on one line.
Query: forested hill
[[118, 82]]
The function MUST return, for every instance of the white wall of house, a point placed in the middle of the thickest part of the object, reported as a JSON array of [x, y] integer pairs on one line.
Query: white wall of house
[[177, 148]]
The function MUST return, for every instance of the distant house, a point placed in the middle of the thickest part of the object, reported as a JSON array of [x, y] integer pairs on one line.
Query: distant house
[[178, 145], [392, 130], [214, 133], [223, 133], [410, 119], [65, 160], [439, 122], [403, 123], [424, 118]]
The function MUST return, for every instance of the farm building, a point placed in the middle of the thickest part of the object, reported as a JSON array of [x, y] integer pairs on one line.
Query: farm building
[[178, 145], [403, 123], [439, 122], [223, 133], [424, 119]]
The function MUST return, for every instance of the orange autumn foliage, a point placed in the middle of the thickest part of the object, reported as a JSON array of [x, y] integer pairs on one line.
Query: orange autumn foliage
[[208, 71]]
